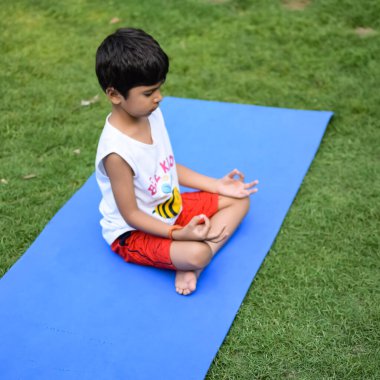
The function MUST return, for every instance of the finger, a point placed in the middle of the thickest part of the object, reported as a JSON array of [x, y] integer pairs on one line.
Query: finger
[[201, 219], [206, 221], [251, 184], [247, 193], [217, 236], [204, 228], [240, 174], [219, 239], [235, 172], [196, 220]]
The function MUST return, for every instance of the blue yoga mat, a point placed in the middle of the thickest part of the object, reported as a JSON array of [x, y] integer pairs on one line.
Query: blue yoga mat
[[71, 309]]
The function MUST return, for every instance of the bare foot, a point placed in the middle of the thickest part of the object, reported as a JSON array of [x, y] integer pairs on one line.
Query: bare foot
[[186, 282]]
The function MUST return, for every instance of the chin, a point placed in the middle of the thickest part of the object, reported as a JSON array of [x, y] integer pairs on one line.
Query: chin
[[150, 112]]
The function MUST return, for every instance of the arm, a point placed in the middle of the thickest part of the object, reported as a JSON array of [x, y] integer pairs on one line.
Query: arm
[[121, 178], [194, 180], [228, 185]]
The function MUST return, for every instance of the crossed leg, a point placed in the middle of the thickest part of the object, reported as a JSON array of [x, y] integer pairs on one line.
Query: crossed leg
[[191, 257]]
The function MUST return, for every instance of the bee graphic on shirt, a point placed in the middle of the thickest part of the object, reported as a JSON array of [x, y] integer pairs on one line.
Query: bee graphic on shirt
[[170, 208]]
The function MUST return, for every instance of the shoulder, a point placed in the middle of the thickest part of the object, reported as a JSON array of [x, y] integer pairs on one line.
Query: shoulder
[[114, 163], [114, 149], [112, 140], [108, 133]]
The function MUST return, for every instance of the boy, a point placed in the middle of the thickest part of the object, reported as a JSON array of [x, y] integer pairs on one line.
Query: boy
[[145, 218]]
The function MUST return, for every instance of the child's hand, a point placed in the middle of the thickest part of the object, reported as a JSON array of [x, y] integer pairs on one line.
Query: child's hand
[[235, 188], [199, 229]]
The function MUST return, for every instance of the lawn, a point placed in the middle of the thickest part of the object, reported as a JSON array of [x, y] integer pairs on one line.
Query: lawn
[[313, 310]]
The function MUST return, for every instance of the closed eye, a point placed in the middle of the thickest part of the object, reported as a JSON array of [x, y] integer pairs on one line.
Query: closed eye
[[152, 90]]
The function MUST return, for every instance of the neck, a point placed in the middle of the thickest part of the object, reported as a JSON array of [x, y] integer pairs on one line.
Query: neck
[[123, 120]]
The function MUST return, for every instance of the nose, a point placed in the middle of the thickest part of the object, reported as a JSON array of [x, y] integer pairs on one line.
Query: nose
[[158, 97]]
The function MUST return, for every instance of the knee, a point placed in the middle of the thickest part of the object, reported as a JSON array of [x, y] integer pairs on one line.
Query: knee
[[242, 204], [200, 256]]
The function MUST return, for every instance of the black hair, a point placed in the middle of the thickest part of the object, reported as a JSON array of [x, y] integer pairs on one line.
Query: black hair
[[129, 58]]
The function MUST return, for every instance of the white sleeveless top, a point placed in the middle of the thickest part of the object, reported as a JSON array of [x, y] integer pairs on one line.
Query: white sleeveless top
[[155, 180]]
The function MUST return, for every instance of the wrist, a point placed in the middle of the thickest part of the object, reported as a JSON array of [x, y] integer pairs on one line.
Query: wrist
[[215, 186], [173, 231]]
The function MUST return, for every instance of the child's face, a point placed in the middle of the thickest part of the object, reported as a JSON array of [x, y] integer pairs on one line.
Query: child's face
[[141, 100]]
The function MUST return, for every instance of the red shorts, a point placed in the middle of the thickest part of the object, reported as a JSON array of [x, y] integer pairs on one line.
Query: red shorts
[[141, 248]]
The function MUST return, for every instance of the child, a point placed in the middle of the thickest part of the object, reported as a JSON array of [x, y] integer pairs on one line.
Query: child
[[145, 218]]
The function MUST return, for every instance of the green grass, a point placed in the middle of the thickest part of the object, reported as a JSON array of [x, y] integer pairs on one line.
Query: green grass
[[313, 310]]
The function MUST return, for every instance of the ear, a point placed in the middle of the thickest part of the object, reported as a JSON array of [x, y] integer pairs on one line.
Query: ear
[[113, 95]]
